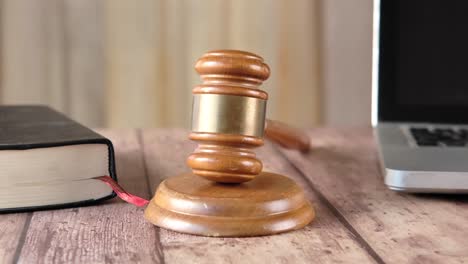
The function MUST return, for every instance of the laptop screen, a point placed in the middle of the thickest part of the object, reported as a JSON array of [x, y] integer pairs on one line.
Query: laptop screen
[[423, 61]]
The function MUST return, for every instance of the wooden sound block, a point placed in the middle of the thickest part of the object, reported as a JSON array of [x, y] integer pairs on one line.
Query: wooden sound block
[[266, 205]]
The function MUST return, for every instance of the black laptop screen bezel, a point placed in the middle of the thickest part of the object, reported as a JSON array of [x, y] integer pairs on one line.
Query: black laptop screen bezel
[[388, 108]]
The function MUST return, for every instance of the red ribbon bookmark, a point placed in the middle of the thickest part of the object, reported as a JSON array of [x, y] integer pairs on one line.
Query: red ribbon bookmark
[[124, 195]]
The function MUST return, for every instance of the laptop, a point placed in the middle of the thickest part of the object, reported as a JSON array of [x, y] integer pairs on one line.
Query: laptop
[[420, 94]]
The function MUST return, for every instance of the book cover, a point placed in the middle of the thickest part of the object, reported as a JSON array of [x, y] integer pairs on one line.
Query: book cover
[[40, 128]]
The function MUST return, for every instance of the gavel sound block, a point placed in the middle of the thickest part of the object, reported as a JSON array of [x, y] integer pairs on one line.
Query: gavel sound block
[[227, 193]]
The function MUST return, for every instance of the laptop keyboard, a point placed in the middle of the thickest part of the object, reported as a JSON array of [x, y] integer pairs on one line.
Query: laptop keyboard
[[440, 137]]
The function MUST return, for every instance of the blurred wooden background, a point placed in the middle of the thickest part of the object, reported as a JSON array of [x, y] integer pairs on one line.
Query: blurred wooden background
[[120, 63]]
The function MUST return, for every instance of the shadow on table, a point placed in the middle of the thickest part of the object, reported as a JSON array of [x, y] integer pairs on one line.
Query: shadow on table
[[454, 197]]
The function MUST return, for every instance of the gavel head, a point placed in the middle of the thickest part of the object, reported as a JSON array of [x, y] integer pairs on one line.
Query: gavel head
[[228, 116]]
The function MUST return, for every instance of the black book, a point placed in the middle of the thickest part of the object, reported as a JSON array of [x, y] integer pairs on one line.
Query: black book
[[49, 161]]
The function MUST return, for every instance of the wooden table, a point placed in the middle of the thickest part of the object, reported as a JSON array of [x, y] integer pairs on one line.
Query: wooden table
[[358, 219]]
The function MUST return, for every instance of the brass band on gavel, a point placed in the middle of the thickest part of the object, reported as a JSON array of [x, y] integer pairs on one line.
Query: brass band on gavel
[[228, 114], [226, 122]]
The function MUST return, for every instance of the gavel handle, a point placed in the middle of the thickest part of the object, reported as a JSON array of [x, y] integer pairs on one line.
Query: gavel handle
[[287, 136]]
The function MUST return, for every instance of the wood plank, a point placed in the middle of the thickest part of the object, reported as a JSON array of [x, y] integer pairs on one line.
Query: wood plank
[[325, 240], [11, 235], [401, 228], [110, 232]]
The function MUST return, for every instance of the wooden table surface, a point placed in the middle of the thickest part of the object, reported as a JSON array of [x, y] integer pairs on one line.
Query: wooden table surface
[[358, 219]]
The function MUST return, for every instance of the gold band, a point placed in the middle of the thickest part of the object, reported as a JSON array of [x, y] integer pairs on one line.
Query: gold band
[[228, 114]]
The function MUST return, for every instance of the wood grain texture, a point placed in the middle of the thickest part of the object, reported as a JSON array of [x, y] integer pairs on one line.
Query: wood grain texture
[[401, 228], [106, 233], [267, 205], [11, 235], [287, 136], [325, 240]]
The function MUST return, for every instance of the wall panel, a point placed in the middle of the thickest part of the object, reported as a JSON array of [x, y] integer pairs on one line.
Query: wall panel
[[122, 63]]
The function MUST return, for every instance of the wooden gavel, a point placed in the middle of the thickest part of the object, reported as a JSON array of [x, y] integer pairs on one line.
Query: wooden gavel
[[228, 117], [228, 121]]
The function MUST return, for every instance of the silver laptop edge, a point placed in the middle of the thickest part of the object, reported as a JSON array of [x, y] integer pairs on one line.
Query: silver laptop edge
[[375, 62], [401, 175]]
